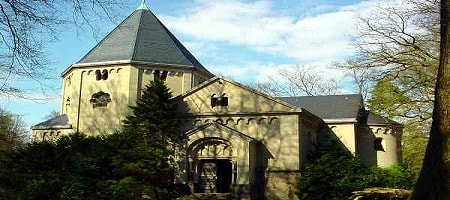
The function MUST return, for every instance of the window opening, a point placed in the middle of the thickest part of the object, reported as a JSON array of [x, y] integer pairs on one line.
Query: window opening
[[219, 101], [98, 75], [104, 74], [156, 74], [164, 75], [100, 99], [378, 144], [160, 75]]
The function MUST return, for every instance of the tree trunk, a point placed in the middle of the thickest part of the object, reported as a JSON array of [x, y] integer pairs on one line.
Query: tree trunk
[[434, 179]]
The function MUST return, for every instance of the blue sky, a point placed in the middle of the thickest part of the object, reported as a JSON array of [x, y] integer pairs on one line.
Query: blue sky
[[246, 40]]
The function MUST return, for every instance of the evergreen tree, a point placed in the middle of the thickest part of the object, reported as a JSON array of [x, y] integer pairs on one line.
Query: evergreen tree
[[145, 147], [154, 119]]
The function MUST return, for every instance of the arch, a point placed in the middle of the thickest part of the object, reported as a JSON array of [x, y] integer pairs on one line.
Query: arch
[[197, 122], [207, 121], [89, 72], [210, 147], [273, 120], [239, 121], [98, 75], [104, 74], [379, 130], [261, 120], [220, 121], [229, 121], [250, 120], [111, 70], [118, 69]]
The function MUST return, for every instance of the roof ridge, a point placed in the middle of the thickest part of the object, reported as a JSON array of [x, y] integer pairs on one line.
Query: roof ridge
[[136, 37], [105, 38], [182, 49]]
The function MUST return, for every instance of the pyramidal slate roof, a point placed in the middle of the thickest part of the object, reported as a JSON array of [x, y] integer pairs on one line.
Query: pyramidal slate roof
[[141, 38], [329, 107]]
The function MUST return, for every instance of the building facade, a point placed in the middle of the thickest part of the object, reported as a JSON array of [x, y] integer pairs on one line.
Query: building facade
[[236, 138]]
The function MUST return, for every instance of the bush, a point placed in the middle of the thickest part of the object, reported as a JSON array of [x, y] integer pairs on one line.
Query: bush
[[335, 173]]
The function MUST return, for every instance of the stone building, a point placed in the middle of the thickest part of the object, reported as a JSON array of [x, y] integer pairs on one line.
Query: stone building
[[236, 138]]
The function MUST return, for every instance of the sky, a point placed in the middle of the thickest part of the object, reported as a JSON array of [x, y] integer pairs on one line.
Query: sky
[[245, 40]]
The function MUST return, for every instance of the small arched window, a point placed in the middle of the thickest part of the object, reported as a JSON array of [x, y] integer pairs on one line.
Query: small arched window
[[98, 75], [378, 144], [164, 75], [104, 74], [156, 74], [219, 100], [160, 75]]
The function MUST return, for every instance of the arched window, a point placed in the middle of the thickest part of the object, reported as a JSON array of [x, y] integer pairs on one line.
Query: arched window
[[164, 75], [219, 101], [104, 74], [160, 75], [156, 74], [378, 144], [98, 75]]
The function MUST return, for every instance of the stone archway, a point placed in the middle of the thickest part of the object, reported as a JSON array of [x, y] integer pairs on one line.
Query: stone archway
[[212, 165]]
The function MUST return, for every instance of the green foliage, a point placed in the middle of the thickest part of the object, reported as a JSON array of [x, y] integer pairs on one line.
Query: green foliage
[[132, 164], [335, 173], [413, 151], [154, 117], [387, 99]]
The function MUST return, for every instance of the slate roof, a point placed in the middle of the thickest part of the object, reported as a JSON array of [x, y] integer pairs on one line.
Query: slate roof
[[377, 119], [329, 107], [61, 121], [142, 38]]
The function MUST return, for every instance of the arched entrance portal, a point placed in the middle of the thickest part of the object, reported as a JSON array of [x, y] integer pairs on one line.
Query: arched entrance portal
[[211, 165]]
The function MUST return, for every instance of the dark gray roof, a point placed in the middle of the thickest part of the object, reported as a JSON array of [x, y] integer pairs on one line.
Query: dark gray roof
[[329, 107], [141, 37], [61, 121], [378, 119]]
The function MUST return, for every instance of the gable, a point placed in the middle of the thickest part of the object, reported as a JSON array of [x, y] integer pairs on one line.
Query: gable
[[239, 99]]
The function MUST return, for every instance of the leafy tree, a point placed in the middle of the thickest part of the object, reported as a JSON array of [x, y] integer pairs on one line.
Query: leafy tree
[[400, 46], [388, 100], [413, 151], [12, 131]]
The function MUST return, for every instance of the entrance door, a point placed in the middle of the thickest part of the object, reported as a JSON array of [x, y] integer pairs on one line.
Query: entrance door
[[215, 176]]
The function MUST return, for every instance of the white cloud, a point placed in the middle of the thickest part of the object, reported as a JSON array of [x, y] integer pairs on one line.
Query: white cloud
[[258, 26], [315, 40]]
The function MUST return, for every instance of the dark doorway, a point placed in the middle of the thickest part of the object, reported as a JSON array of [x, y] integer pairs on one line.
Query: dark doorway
[[215, 176]]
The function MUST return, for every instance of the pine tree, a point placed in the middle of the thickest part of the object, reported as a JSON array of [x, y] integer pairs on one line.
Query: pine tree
[[145, 146], [154, 117]]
